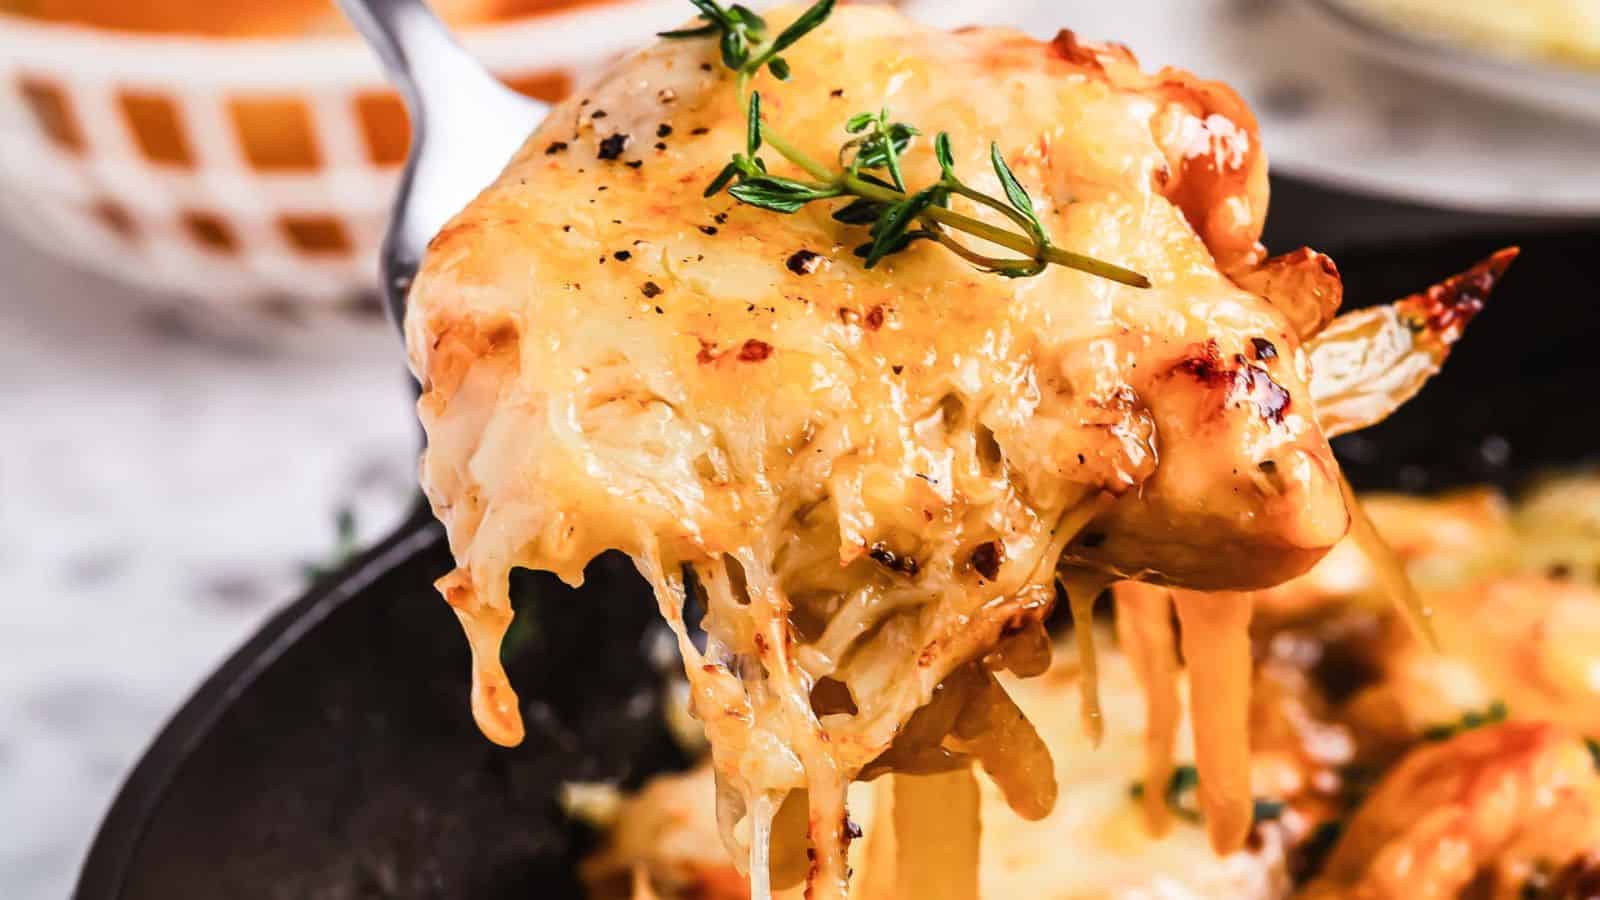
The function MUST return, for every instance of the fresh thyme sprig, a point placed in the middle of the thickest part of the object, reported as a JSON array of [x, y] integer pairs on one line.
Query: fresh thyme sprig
[[1493, 714], [869, 167]]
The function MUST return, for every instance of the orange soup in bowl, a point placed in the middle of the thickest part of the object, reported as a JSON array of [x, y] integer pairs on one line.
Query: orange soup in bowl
[[252, 18]]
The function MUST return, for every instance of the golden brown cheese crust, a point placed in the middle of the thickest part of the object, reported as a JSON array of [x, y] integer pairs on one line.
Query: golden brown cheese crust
[[1484, 814], [605, 353], [872, 474]]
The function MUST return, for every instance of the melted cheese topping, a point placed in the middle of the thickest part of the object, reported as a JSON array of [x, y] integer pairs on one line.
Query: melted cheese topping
[[871, 479]]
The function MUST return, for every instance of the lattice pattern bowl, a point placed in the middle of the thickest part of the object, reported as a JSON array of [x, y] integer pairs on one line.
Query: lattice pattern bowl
[[251, 171]]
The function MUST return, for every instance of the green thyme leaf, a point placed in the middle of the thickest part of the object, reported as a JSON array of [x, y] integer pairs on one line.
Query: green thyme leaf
[[898, 244], [523, 633], [345, 546], [799, 28], [890, 233], [741, 32], [747, 17], [947, 160], [1182, 780], [886, 205], [859, 212], [721, 181], [1185, 780], [783, 195], [709, 9], [1014, 191], [1494, 714], [1183, 784], [804, 25], [735, 48], [752, 140], [883, 147], [702, 31], [1594, 750], [1267, 810]]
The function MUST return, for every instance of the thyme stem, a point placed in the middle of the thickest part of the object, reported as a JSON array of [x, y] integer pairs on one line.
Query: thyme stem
[[798, 157], [995, 235], [746, 49]]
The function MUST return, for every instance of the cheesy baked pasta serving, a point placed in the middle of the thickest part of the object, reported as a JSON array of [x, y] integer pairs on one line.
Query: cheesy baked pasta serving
[[874, 342], [1380, 768]]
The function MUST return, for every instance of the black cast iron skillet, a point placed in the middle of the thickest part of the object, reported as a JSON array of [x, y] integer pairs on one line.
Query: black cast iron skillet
[[334, 756]]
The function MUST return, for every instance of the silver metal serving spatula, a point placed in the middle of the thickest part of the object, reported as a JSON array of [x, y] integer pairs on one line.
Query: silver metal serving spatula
[[465, 126]]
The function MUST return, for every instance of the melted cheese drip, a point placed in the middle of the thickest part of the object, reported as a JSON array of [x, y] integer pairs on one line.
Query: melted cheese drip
[[494, 701], [1093, 846], [1388, 568], [761, 814], [1216, 648], [1144, 632], [936, 830], [1083, 588], [642, 889], [752, 691]]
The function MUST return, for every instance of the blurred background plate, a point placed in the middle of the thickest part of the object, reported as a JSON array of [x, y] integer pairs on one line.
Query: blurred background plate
[[1523, 66], [1339, 117]]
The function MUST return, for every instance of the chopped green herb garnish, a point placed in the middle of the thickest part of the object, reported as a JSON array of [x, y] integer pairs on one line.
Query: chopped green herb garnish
[[1494, 714], [345, 546], [1314, 852], [523, 632], [898, 216], [1180, 797], [1179, 793], [1268, 810]]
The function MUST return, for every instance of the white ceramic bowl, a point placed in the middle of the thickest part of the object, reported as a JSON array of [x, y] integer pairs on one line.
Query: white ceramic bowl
[[240, 170]]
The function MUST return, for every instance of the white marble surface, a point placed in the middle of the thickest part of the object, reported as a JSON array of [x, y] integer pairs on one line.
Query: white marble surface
[[160, 493], [161, 488]]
